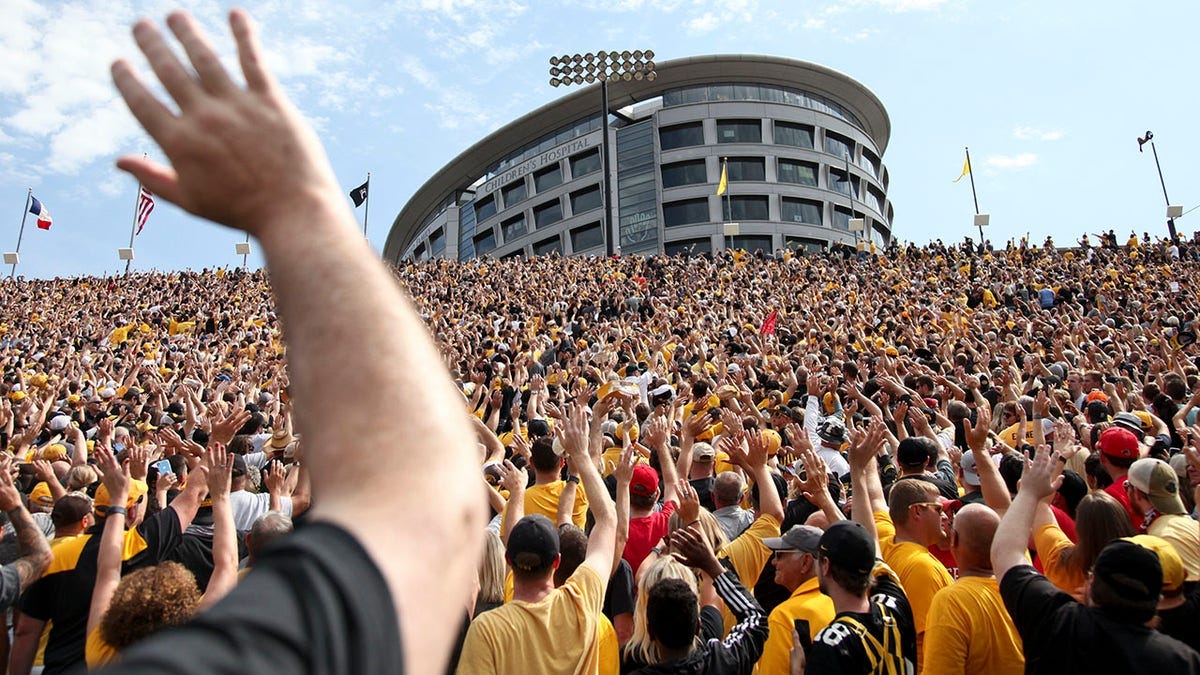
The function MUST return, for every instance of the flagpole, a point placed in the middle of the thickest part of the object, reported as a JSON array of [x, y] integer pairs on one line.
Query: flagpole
[[367, 210], [133, 226], [971, 175], [21, 233], [728, 205]]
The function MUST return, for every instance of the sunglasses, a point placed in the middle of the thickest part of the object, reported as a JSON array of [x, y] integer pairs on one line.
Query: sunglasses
[[936, 506]]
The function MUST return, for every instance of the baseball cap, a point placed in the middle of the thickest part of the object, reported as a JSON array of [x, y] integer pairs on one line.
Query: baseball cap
[[1132, 571], [1168, 557], [1180, 464], [970, 471], [1158, 480], [805, 538], [704, 452], [533, 543], [137, 490], [1129, 421], [239, 465], [645, 480], [847, 544], [59, 422], [41, 496], [1119, 443]]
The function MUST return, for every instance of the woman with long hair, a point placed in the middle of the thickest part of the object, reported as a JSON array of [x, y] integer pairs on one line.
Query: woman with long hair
[[1100, 519], [641, 651], [491, 575]]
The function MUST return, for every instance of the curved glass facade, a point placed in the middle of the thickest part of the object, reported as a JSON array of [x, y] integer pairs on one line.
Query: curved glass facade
[[712, 93]]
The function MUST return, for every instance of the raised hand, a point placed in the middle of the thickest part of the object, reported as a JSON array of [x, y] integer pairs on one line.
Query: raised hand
[[624, 468], [225, 428], [512, 478], [219, 463], [689, 501]]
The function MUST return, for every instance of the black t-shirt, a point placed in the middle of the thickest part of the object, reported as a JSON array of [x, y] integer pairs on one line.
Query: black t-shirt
[[64, 593], [703, 488], [315, 602], [195, 552], [891, 634], [618, 597], [1063, 636], [1183, 622]]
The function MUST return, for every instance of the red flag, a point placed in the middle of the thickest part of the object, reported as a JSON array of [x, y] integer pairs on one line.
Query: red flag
[[144, 207], [768, 324]]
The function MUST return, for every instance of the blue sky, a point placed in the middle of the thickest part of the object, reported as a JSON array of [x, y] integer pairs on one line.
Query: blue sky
[[1050, 97]]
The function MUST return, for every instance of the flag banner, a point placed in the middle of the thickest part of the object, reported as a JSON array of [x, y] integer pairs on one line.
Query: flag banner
[[359, 194], [43, 216], [966, 169], [144, 207], [768, 324], [724, 181]]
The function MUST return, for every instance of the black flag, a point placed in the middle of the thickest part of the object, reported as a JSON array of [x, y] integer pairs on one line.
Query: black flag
[[359, 194]]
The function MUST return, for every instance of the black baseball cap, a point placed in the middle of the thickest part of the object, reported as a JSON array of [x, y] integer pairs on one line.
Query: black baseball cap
[[1132, 571], [848, 545], [533, 543]]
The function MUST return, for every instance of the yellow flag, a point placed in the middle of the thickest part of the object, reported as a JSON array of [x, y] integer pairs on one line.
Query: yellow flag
[[724, 182], [966, 169]]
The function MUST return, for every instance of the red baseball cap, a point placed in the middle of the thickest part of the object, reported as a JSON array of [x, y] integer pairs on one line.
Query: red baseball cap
[[645, 480], [1119, 443]]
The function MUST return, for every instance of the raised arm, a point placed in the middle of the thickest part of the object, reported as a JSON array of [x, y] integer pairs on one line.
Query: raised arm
[[218, 465], [108, 557], [602, 540], [1040, 479], [864, 478], [263, 171], [32, 545]]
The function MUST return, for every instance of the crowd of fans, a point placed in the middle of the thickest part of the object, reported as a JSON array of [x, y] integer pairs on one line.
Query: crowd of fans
[[837, 461]]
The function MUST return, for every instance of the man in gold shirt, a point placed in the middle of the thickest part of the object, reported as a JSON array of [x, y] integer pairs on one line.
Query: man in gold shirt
[[795, 570], [548, 486], [971, 630], [919, 522]]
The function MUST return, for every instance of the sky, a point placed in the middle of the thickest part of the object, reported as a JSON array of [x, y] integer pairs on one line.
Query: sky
[[1049, 96]]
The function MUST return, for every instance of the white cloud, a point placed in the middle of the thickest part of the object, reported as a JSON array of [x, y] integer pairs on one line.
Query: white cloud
[[898, 6], [1027, 133], [703, 23], [814, 23], [1011, 162]]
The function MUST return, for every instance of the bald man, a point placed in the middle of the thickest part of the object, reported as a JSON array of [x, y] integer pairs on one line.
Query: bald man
[[974, 632]]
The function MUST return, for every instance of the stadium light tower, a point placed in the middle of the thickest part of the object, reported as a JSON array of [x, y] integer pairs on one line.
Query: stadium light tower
[[1173, 212], [603, 66]]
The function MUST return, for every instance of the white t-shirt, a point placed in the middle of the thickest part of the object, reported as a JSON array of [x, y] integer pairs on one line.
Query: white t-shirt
[[249, 507]]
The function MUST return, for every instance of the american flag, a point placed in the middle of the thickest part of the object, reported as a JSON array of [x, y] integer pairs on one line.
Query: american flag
[[144, 207]]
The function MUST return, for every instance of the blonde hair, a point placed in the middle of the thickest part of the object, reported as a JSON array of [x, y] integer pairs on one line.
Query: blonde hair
[[81, 477], [710, 527], [491, 570], [640, 646]]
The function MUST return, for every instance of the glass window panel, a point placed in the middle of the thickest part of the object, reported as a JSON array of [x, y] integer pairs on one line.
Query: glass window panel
[[746, 92], [747, 169], [739, 131], [585, 200], [685, 212], [688, 247], [548, 246], [548, 178], [684, 173], [794, 171], [804, 245], [798, 135], [722, 92], [681, 135], [838, 182], [800, 211], [437, 242], [514, 193], [485, 208], [752, 243], [837, 146], [585, 163], [514, 228], [486, 242], [547, 214], [588, 236], [841, 219], [745, 207]]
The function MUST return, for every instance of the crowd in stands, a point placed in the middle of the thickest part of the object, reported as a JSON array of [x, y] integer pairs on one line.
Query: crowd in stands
[[945, 459]]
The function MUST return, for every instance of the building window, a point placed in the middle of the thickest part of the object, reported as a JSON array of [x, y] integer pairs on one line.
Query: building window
[[795, 171], [874, 199], [839, 146], [547, 178], [839, 183], [514, 193], [685, 212], [585, 200], [841, 219], [585, 163], [746, 168], [588, 236], [419, 252], [804, 244], [869, 162], [548, 246], [486, 242], [739, 131], [752, 243], [688, 247], [684, 173], [485, 208], [745, 207], [794, 210], [514, 228], [437, 242], [681, 135], [547, 214], [798, 135]]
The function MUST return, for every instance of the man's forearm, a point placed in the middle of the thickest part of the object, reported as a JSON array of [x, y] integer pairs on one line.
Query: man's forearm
[[1012, 535], [34, 549]]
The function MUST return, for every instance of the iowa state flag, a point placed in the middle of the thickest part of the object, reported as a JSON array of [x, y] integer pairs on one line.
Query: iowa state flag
[[768, 324], [43, 216]]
